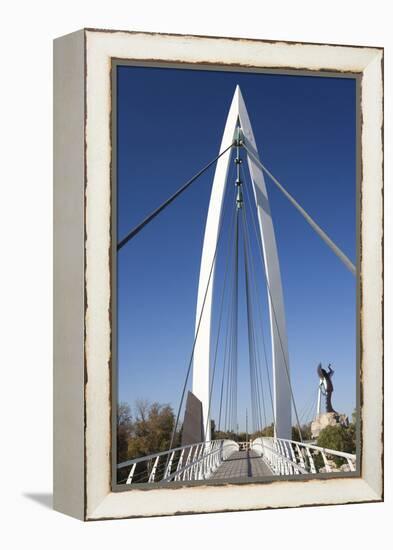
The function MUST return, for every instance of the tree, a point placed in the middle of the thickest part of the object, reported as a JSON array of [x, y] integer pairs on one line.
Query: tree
[[338, 438], [124, 431], [148, 433], [152, 429], [242, 436], [267, 431], [305, 431], [225, 435], [213, 429]]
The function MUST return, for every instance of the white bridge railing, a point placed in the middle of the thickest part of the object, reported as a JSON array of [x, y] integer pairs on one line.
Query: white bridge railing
[[286, 457], [189, 463]]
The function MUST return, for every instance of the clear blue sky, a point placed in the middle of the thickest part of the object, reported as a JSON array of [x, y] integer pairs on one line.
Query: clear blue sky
[[170, 123]]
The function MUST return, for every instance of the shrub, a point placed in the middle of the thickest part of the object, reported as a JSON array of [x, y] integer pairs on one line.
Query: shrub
[[338, 438]]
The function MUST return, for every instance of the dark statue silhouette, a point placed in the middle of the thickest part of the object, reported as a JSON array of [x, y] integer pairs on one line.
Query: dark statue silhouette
[[326, 386]]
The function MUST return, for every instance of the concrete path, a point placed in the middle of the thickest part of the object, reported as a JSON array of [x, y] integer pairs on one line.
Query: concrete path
[[242, 464]]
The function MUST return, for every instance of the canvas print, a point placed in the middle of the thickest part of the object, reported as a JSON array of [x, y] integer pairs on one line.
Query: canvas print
[[235, 250]]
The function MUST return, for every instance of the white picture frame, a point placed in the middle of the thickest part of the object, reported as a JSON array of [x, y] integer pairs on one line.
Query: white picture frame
[[84, 272]]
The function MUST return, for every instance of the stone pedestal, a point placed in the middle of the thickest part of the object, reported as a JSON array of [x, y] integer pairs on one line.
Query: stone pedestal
[[327, 419]]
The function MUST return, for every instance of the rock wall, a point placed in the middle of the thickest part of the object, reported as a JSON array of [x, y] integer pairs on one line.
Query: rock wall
[[327, 419]]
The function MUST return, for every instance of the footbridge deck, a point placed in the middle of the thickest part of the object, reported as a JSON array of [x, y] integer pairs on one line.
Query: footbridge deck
[[242, 464], [224, 459]]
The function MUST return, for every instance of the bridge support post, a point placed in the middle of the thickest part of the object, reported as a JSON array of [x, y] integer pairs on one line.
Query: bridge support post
[[201, 368]]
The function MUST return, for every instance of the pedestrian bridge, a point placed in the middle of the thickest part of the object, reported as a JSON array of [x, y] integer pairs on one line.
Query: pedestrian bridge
[[222, 459], [240, 213], [242, 464]]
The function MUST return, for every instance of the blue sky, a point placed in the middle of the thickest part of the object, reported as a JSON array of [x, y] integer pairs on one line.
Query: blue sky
[[170, 124]]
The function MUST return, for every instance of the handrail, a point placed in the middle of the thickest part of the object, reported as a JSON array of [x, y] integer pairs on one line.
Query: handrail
[[199, 461], [287, 457], [324, 449], [190, 462], [149, 457], [179, 472]]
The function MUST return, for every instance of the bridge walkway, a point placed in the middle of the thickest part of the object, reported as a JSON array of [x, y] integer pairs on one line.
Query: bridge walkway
[[242, 464]]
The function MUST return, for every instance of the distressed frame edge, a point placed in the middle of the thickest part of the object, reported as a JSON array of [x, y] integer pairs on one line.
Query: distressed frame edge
[[69, 274], [100, 511], [115, 64]]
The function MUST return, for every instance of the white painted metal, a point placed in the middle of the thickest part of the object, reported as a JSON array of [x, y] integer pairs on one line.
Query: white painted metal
[[278, 331], [286, 457], [319, 400], [152, 475], [201, 366], [131, 475], [202, 461], [339, 253], [281, 381], [274, 453]]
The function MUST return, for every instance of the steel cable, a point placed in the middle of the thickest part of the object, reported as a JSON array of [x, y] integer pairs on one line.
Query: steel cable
[[155, 212]]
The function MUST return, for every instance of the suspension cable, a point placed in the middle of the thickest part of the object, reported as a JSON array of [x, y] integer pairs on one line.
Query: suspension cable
[[259, 308], [250, 347], [235, 340], [280, 340], [155, 212], [196, 335], [227, 353], [228, 343], [232, 323], [256, 381], [258, 363], [224, 369], [337, 251], [219, 325], [285, 360], [227, 362], [306, 408], [233, 395], [250, 338], [308, 413]]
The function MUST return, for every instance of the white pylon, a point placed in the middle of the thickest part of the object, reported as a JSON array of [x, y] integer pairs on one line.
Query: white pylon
[[201, 367]]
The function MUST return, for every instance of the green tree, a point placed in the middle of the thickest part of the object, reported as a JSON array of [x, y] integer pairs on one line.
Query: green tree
[[225, 435], [124, 431], [267, 431], [305, 431], [213, 429], [149, 432], [152, 429], [338, 438]]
